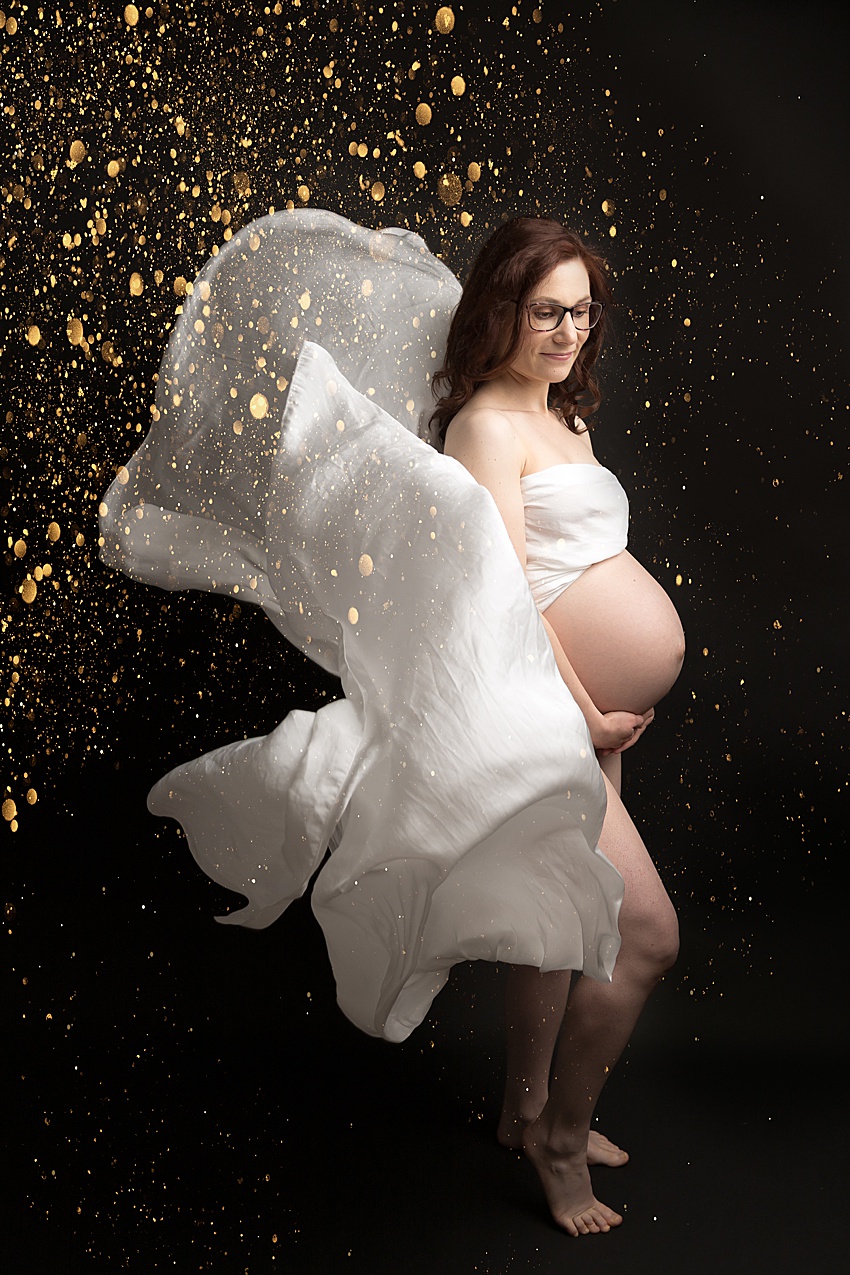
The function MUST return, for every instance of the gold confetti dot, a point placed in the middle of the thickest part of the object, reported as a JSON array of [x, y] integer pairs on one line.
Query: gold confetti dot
[[366, 288], [687, 323], [445, 20], [242, 184], [9, 810], [304, 193], [75, 331], [662, 194], [377, 192], [458, 85], [612, 231], [419, 169], [34, 334], [423, 113], [449, 189], [29, 588], [465, 218], [340, 425], [608, 207], [20, 548], [77, 152], [304, 300], [180, 286], [259, 406], [137, 284], [237, 427], [113, 168], [365, 564], [353, 615], [32, 796], [131, 15], [53, 531], [473, 172], [123, 475], [103, 509]]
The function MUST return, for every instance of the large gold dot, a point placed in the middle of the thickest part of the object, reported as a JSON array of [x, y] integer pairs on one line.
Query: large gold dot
[[53, 531], [458, 85], [419, 169], [365, 564], [34, 334], [423, 113], [29, 589], [137, 284], [445, 20], [32, 796], [449, 188], [259, 406], [473, 172], [78, 151], [131, 15], [20, 548], [377, 192], [353, 615], [75, 331], [9, 809]]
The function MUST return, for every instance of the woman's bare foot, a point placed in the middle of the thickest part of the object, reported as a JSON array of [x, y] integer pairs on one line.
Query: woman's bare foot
[[600, 1150], [565, 1180]]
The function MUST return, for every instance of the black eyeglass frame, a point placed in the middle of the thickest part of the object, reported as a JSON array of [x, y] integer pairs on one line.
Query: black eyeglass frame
[[565, 309]]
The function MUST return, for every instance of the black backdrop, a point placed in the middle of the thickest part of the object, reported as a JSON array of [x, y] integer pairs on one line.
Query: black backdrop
[[187, 1098]]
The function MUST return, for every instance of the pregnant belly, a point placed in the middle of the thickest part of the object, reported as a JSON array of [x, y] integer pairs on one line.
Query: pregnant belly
[[621, 634]]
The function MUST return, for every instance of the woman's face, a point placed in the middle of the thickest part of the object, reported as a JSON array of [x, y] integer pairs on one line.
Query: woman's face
[[551, 356]]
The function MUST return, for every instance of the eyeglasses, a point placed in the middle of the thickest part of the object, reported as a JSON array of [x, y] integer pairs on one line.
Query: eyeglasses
[[544, 316]]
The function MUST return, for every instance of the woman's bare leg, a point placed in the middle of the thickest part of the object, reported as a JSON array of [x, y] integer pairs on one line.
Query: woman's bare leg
[[534, 1010], [599, 1020]]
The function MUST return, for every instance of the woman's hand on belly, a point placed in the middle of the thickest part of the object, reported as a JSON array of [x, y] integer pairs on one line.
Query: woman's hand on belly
[[617, 731], [644, 718]]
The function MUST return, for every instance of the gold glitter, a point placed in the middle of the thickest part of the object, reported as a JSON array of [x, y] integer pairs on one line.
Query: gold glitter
[[377, 192], [304, 300], [180, 286], [32, 796], [113, 168], [131, 15], [242, 183], [536, 15], [449, 189], [75, 331], [445, 20], [29, 588], [237, 427], [419, 169], [423, 113], [662, 194], [366, 288], [458, 85], [353, 615], [465, 218], [9, 810], [612, 231], [608, 207], [687, 323], [259, 406], [473, 172], [365, 564], [53, 531], [137, 284], [20, 548], [77, 152], [123, 475], [340, 426], [303, 193], [34, 334]]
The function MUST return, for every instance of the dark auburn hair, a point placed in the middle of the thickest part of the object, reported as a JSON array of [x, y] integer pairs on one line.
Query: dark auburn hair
[[489, 322]]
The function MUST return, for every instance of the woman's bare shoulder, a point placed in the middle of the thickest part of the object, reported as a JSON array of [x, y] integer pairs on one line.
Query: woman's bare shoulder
[[479, 425]]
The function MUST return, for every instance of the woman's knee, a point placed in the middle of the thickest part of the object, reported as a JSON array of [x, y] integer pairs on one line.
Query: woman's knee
[[651, 935]]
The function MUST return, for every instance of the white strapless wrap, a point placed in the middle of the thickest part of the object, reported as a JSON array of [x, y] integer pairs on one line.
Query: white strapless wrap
[[455, 780]]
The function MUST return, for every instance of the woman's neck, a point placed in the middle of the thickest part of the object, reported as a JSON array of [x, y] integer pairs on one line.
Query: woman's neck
[[513, 393]]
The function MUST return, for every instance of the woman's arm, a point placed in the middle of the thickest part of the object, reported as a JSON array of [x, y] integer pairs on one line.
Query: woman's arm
[[485, 443]]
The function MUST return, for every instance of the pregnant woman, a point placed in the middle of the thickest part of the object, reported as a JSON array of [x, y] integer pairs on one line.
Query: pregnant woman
[[455, 778], [519, 363]]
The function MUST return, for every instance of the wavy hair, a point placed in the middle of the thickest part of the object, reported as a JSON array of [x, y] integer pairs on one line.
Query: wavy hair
[[488, 324]]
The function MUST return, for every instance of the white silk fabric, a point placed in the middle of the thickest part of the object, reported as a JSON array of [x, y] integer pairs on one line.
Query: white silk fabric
[[455, 779]]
